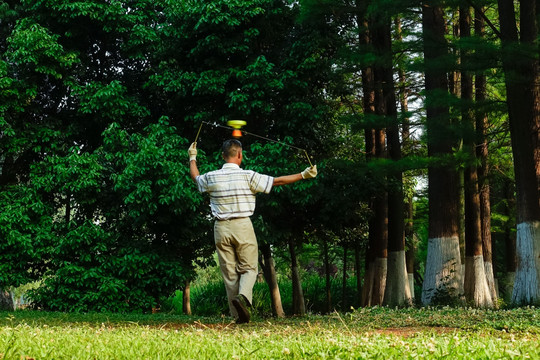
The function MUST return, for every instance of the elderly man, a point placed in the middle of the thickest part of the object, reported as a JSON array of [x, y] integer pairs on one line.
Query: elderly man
[[232, 201]]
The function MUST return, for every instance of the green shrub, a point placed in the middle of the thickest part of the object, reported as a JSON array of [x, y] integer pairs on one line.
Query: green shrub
[[208, 300], [314, 287]]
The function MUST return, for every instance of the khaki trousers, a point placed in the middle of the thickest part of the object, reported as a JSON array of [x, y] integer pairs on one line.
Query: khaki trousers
[[238, 252]]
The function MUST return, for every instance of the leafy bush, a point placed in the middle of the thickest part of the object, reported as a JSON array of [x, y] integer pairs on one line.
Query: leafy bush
[[125, 240]]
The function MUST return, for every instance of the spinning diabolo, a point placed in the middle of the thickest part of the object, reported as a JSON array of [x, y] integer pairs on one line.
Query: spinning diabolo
[[236, 125]]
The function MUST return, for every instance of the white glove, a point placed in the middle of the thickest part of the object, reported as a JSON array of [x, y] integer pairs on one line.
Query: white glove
[[192, 151], [310, 172]]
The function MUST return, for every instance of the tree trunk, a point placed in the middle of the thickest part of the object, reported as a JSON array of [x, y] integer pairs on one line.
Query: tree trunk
[[378, 269], [454, 77], [376, 255], [327, 276], [455, 89], [380, 200], [522, 88], [443, 265], [367, 289], [375, 274], [6, 301], [509, 240], [407, 147], [483, 170], [397, 292], [269, 271], [380, 234], [476, 287], [186, 298], [299, 306], [410, 245], [357, 273], [344, 279]]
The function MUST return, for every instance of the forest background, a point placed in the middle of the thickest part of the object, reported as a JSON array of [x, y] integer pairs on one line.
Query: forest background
[[99, 101]]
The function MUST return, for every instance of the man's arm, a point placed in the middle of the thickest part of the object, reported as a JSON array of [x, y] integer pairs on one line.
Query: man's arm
[[193, 169], [309, 173], [287, 179]]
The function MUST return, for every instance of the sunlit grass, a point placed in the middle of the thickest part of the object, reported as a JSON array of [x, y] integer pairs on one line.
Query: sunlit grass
[[374, 333]]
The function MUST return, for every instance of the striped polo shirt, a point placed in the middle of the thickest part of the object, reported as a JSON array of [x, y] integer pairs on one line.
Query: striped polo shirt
[[232, 190]]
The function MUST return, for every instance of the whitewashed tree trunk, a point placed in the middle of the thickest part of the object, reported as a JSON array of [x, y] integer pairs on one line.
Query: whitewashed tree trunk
[[443, 268], [379, 281], [374, 282], [527, 284], [491, 281], [442, 273], [397, 291], [476, 285]]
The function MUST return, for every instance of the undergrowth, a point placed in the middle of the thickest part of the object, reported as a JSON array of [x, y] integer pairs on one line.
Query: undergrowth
[[208, 297]]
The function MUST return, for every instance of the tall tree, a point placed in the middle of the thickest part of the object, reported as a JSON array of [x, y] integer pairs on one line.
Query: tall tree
[[482, 123], [522, 87], [376, 254], [407, 145], [443, 264], [475, 283], [397, 292]]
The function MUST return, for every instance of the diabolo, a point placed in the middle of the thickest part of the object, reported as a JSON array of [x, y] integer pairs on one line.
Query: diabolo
[[236, 125]]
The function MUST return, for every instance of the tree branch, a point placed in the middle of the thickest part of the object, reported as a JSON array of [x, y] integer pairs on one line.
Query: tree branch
[[488, 22]]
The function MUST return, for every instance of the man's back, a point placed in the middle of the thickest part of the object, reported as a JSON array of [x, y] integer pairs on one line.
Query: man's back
[[232, 190]]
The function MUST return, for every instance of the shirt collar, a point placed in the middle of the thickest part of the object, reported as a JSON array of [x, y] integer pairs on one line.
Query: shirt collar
[[230, 166]]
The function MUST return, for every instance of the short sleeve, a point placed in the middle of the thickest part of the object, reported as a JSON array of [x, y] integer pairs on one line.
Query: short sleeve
[[202, 183], [260, 183]]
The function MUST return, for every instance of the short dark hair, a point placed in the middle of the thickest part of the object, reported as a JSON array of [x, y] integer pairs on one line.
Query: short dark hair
[[230, 148]]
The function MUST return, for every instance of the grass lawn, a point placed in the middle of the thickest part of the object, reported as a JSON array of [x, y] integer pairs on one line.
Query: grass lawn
[[373, 333]]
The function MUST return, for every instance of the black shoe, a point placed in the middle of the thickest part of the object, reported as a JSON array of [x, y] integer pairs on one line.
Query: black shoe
[[241, 304]]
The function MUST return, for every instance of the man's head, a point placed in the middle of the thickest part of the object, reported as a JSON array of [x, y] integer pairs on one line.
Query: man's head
[[232, 151]]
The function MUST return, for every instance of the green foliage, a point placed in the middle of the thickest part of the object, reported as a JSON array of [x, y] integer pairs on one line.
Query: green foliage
[[207, 300], [149, 170], [33, 46], [126, 245], [109, 101], [83, 86], [25, 226]]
